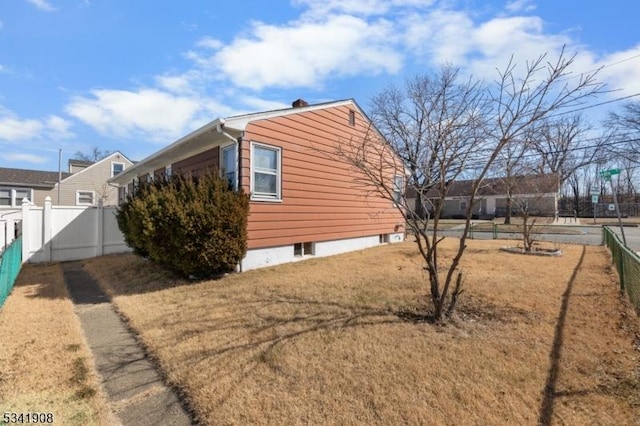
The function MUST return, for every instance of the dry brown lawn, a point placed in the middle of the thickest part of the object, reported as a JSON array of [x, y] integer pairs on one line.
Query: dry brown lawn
[[45, 364], [340, 340]]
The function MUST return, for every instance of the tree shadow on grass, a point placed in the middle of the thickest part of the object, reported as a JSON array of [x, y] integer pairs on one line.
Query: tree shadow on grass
[[550, 392], [231, 349]]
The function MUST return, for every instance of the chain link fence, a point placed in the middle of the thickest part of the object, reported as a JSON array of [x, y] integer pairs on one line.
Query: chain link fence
[[628, 264], [10, 262]]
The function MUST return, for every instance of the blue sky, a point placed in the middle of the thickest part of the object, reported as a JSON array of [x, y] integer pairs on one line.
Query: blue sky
[[136, 75]]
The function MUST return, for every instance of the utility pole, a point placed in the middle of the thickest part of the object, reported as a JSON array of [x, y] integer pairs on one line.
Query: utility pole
[[59, 173]]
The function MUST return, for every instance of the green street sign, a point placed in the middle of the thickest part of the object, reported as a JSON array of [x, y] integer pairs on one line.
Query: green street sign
[[606, 174]]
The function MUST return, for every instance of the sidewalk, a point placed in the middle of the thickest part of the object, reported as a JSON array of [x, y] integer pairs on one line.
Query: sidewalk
[[566, 221], [135, 390]]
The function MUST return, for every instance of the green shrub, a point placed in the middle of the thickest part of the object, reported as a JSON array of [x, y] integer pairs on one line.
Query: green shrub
[[191, 226]]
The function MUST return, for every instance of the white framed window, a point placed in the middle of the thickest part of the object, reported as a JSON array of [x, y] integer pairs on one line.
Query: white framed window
[[13, 196], [229, 165], [22, 193], [266, 172], [85, 198], [398, 189], [149, 178], [167, 172], [116, 168], [6, 197]]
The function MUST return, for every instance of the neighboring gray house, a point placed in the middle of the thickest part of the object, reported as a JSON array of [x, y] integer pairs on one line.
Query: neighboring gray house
[[538, 193], [84, 184]]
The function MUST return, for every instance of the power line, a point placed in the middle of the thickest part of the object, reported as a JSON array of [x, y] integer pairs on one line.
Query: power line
[[622, 98]]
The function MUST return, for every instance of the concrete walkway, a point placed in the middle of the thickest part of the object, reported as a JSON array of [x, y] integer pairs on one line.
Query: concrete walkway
[[135, 390]]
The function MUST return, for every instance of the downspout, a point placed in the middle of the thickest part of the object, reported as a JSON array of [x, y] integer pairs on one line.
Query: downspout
[[238, 142], [239, 173], [220, 129]]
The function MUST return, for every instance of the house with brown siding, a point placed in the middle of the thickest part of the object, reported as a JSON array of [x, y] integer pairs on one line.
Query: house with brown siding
[[303, 199], [84, 184]]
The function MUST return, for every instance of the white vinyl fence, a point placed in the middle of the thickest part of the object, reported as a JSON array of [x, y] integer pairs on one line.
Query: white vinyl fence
[[9, 226], [61, 233]]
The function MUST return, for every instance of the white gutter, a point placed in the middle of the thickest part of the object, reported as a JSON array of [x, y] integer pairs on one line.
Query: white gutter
[[219, 128]]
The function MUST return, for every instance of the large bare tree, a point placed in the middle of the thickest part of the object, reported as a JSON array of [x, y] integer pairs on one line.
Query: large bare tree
[[441, 127]]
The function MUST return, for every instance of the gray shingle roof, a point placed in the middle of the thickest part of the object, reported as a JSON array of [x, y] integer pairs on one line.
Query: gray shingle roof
[[29, 178], [75, 162]]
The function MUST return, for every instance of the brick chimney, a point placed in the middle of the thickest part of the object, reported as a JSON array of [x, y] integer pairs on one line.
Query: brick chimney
[[299, 103]]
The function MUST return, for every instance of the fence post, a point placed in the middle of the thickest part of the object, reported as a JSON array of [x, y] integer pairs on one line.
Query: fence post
[[621, 270], [495, 231], [100, 228], [26, 230], [10, 231], [46, 225]]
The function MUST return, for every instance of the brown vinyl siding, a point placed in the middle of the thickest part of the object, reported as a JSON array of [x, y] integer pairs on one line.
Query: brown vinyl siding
[[320, 200], [206, 162], [158, 174]]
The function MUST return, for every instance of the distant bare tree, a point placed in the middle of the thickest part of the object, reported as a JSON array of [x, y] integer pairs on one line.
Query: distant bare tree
[[625, 126], [528, 196], [510, 166], [94, 155], [440, 128], [563, 149]]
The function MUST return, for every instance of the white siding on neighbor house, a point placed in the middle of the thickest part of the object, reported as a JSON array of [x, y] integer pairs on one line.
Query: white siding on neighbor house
[[93, 178]]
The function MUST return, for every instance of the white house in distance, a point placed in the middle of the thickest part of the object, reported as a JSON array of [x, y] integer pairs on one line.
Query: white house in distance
[[85, 184]]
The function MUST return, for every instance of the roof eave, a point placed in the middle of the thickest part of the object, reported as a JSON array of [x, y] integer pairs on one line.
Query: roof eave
[[175, 152]]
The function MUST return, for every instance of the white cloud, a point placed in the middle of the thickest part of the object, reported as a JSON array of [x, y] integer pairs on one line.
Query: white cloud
[[209, 43], [58, 127], [621, 71], [520, 6], [305, 54], [43, 5], [26, 158], [320, 8], [481, 47], [331, 39], [122, 113], [15, 128], [176, 83]]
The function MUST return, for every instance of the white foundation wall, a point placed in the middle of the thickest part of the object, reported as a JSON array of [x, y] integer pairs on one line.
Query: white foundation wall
[[262, 258]]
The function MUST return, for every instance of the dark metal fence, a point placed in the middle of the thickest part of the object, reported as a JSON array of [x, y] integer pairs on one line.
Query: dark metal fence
[[628, 264], [10, 262]]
